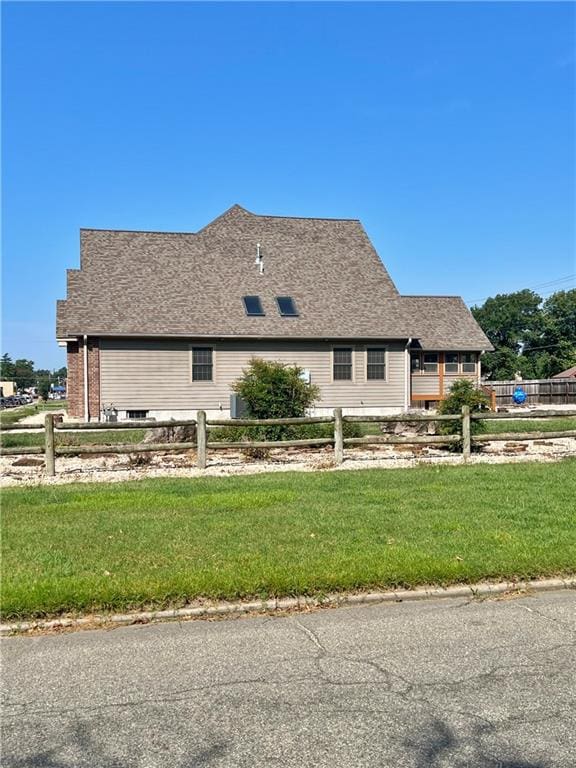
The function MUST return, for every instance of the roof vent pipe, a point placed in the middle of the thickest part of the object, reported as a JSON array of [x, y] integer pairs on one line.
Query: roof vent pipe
[[259, 259]]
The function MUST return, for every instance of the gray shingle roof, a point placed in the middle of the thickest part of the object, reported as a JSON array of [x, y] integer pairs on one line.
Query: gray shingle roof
[[192, 284]]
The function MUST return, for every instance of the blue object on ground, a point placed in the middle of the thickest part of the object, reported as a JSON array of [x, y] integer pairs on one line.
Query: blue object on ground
[[519, 396]]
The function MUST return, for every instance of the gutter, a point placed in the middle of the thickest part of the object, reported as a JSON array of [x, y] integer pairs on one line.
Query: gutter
[[407, 380]]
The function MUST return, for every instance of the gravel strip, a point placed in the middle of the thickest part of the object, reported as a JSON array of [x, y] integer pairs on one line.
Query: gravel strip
[[119, 468]]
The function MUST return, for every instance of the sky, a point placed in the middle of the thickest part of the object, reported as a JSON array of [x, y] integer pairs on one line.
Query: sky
[[447, 128]]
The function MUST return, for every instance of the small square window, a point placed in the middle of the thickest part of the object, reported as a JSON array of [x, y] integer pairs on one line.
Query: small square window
[[342, 369], [469, 362], [134, 415], [451, 362], [286, 306], [375, 363], [430, 362], [201, 364], [253, 306]]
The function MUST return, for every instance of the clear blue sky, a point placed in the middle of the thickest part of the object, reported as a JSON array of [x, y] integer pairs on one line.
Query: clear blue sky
[[448, 129]]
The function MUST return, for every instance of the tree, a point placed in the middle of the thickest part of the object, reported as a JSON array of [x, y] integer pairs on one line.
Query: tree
[[509, 319], [537, 339], [6, 367], [554, 348], [60, 375], [44, 389], [24, 375]]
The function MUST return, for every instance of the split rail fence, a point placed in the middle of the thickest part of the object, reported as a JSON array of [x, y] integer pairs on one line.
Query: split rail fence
[[51, 449]]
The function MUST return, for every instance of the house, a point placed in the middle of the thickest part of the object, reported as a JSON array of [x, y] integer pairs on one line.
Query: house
[[160, 324], [569, 373]]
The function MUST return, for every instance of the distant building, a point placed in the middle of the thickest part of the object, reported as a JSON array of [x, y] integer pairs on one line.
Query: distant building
[[569, 373], [7, 388]]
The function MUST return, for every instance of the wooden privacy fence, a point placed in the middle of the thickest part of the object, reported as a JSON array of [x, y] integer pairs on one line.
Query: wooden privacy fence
[[543, 391], [203, 444]]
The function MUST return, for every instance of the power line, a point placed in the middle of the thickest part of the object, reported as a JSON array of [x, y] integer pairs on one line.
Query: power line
[[549, 284]]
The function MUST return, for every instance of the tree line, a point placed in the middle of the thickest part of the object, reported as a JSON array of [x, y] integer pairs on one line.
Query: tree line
[[25, 374], [530, 335]]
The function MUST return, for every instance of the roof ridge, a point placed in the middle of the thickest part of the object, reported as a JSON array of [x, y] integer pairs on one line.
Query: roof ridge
[[430, 296], [300, 218], [136, 231]]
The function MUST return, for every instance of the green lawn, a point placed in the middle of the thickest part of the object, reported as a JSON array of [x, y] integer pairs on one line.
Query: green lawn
[[497, 426], [162, 542], [12, 415], [95, 437]]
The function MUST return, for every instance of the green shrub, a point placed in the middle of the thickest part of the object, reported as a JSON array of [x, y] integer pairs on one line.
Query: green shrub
[[463, 392], [273, 390]]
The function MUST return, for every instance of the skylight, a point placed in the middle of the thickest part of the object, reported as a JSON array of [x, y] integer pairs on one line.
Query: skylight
[[253, 306], [286, 306]]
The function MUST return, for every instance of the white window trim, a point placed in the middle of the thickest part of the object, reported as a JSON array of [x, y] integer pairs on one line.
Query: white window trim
[[431, 373], [462, 363], [343, 381], [198, 382], [376, 346], [458, 368]]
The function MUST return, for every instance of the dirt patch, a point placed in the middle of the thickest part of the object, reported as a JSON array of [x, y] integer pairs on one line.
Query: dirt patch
[[28, 461]]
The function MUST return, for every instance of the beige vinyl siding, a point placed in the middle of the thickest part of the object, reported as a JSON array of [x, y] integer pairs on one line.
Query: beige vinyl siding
[[151, 374], [450, 378], [423, 384]]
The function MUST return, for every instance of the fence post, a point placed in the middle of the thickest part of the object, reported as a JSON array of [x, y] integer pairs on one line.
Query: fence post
[[49, 444], [466, 432], [201, 439], [338, 436]]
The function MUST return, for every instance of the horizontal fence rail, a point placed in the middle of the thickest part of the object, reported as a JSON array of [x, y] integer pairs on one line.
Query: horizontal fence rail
[[401, 439], [269, 422], [110, 425], [201, 442], [408, 417]]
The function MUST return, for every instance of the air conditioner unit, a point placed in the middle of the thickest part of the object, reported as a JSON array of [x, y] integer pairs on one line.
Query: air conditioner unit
[[238, 407]]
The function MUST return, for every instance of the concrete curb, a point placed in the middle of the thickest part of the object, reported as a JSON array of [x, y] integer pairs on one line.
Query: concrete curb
[[483, 589]]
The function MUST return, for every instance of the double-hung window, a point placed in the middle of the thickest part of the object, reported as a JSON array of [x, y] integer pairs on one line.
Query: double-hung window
[[468, 362], [375, 363], [430, 362], [342, 367], [202, 364], [451, 362]]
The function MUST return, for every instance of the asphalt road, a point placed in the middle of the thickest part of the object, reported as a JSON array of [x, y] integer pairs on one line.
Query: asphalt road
[[444, 683]]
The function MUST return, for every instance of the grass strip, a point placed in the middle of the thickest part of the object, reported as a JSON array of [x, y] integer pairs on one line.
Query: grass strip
[[556, 424], [163, 542], [95, 437]]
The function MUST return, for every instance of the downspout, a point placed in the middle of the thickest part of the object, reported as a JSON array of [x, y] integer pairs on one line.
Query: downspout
[[407, 375], [86, 409]]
